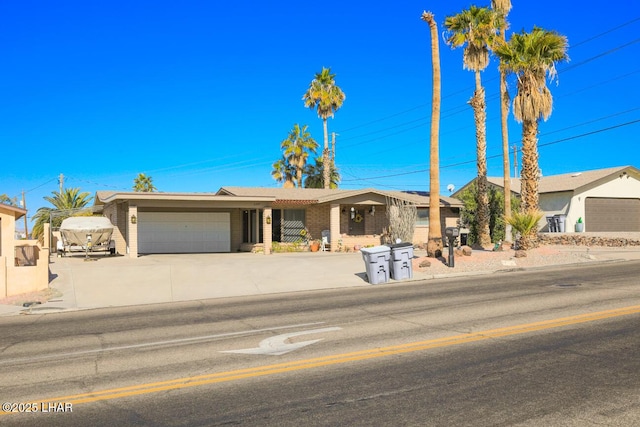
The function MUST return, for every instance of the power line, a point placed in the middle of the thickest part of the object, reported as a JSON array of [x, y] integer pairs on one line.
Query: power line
[[466, 162], [463, 108], [605, 32]]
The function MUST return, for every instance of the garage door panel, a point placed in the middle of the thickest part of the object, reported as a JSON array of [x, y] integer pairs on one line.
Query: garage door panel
[[612, 214], [183, 232]]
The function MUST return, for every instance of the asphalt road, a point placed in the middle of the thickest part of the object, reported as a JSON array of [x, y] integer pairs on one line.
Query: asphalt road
[[546, 347]]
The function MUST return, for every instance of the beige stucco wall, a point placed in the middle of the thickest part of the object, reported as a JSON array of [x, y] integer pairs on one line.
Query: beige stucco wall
[[7, 234], [554, 203], [16, 280]]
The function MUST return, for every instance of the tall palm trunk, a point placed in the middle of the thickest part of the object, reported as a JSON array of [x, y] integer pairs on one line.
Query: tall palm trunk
[[530, 175], [480, 116], [300, 167], [326, 163], [434, 242]]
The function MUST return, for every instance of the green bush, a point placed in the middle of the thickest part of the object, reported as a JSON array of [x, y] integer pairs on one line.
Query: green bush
[[526, 225]]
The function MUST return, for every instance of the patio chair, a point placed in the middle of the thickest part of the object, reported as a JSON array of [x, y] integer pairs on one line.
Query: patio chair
[[325, 240]]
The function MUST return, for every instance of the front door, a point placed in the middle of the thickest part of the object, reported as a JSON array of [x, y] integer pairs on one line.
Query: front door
[[252, 226]]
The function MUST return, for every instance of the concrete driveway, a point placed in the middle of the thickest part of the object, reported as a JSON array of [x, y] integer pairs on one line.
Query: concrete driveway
[[117, 281]]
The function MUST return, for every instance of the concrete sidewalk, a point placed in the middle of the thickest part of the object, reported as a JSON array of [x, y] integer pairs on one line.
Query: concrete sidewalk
[[122, 281]]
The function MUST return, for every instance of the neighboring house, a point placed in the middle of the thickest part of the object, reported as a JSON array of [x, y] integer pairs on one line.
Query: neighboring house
[[607, 200], [248, 218], [24, 265]]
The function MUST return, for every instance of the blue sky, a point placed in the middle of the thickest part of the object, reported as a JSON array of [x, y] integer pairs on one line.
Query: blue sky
[[199, 94]]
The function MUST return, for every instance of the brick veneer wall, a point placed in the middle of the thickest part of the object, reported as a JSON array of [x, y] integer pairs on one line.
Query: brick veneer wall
[[117, 214]]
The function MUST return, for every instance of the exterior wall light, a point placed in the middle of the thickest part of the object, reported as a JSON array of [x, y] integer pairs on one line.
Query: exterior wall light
[[268, 219], [134, 219], [353, 212]]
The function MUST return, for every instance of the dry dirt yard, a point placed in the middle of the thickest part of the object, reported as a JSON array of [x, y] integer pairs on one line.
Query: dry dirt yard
[[483, 260]]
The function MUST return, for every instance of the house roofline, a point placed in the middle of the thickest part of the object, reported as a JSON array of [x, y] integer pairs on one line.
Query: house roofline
[[17, 212], [107, 197]]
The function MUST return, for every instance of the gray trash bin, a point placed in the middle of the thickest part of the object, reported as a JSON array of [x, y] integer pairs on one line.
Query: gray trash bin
[[551, 222], [376, 262], [401, 256], [561, 220]]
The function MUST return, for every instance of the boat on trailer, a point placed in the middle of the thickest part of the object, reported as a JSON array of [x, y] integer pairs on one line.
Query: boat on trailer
[[86, 233]]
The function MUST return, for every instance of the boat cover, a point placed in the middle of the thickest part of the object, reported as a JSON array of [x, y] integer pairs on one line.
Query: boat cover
[[74, 230]]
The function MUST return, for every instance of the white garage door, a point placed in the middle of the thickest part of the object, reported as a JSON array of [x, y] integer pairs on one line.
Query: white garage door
[[183, 232]]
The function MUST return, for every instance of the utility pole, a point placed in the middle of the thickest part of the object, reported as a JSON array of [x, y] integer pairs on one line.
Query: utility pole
[[333, 147], [515, 160], [24, 206], [61, 182]]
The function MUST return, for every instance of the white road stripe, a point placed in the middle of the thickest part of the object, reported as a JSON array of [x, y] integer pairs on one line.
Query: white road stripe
[[156, 343]]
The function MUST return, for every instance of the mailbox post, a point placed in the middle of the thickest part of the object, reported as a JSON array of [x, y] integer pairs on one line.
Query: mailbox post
[[452, 234]]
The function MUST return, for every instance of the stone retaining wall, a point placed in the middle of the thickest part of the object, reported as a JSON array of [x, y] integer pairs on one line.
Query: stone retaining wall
[[580, 239]]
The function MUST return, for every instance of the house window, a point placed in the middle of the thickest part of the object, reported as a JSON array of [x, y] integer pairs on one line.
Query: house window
[[293, 223], [423, 217]]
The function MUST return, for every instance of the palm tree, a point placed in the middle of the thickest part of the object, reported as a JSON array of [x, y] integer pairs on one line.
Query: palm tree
[[475, 29], [297, 147], [314, 175], [283, 172], [143, 184], [532, 58], [6, 200], [66, 204], [434, 240], [326, 98], [503, 7]]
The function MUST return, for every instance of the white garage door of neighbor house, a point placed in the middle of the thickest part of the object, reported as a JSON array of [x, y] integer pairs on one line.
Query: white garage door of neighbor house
[[183, 232]]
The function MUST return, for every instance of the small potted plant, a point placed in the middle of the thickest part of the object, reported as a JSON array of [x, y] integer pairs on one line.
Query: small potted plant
[[579, 226], [314, 245]]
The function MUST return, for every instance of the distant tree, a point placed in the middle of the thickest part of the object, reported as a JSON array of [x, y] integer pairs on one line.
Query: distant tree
[[532, 58], [434, 240], [315, 175], [6, 200], [143, 184], [497, 217], [65, 204], [474, 29], [283, 172], [297, 148], [326, 98]]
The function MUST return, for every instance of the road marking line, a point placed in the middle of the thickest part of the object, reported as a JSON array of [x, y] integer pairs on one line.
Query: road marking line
[[157, 343], [195, 381], [276, 346]]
